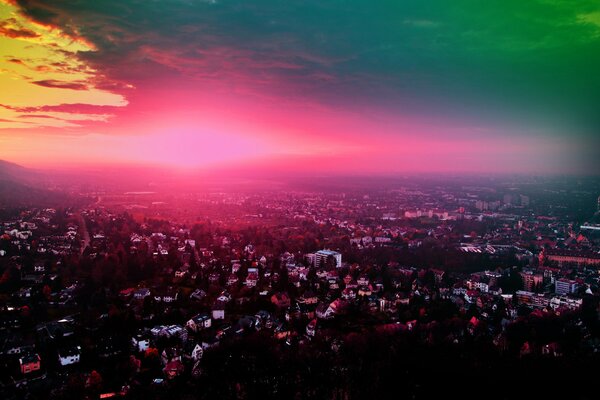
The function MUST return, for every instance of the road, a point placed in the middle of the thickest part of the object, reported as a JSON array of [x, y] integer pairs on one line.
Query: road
[[84, 232]]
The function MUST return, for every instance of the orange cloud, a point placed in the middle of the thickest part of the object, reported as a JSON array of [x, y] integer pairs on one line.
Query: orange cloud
[[42, 66]]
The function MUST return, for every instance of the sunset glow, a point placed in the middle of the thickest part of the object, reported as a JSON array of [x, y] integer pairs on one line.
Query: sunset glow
[[420, 89]]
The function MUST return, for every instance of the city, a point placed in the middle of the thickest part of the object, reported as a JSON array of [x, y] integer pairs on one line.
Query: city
[[124, 296], [299, 200]]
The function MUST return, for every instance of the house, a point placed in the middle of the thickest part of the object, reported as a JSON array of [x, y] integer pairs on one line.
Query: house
[[69, 355], [348, 294], [224, 332], [363, 280], [282, 330], [210, 342], [173, 369], [214, 278], [307, 310], [352, 284], [25, 292], [325, 311], [311, 328], [168, 331], [224, 297], [218, 311], [263, 319], [58, 329], [29, 363], [126, 293], [293, 312], [199, 322], [180, 273], [280, 300], [198, 294], [140, 342], [232, 280], [170, 354], [166, 296], [247, 322], [309, 297], [141, 293], [303, 274], [252, 279], [197, 352], [333, 283]]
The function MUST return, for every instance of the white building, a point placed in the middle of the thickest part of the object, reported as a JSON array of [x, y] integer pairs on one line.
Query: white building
[[565, 302], [565, 286], [69, 356], [199, 322], [140, 343], [322, 256]]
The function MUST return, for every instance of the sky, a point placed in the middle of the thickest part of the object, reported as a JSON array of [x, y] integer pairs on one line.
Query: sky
[[344, 86]]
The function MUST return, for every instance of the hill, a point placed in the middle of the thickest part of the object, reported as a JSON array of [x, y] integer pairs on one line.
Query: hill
[[23, 187]]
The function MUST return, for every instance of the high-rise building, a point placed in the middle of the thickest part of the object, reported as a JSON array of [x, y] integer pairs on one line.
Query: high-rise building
[[531, 281], [565, 286], [481, 205], [322, 257], [508, 199]]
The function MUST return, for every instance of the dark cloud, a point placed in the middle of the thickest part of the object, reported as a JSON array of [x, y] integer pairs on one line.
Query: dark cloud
[[65, 108], [16, 32], [36, 116], [51, 83]]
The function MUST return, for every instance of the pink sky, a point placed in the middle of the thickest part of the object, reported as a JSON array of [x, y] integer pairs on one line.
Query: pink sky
[[69, 102]]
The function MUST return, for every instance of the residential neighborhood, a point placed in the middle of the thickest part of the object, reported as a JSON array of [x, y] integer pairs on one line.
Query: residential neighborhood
[[150, 302]]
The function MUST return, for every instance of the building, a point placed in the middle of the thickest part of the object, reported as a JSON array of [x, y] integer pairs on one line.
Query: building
[[140, 342], [531, 281], [532, 299], [69, 356], [29, 363], [141, 293], [508, 199], [565, 302], [199, 322], [322, 257], [565, 286], [218, 310], [571, 257]]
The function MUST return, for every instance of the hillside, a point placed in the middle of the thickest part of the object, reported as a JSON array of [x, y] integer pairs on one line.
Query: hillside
[[22, 187]]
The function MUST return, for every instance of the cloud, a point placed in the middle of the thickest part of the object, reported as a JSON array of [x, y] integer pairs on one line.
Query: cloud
[[42, 66], [521, 63], [51, 83], [421, 23], [11, 29], [77, 108]]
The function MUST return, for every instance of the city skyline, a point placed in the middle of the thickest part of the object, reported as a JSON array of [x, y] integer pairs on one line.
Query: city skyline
[[340, 87]]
